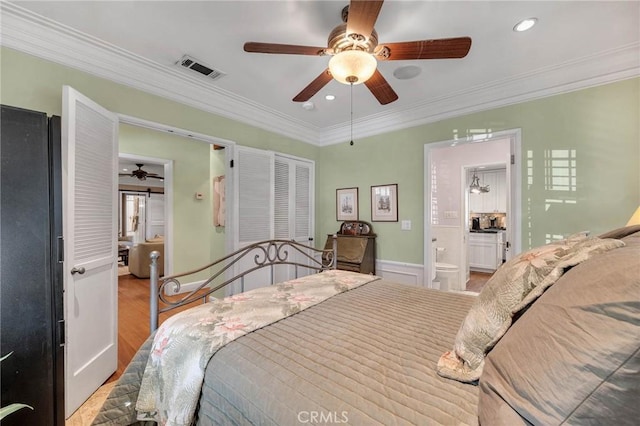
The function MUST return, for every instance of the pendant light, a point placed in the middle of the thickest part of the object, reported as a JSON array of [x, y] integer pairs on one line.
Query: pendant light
[[475, 187]]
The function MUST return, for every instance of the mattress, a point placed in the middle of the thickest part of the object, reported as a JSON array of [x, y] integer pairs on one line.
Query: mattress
[[367, 356]]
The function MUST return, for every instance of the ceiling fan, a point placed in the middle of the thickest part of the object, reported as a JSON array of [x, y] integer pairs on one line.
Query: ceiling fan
[[355, 51], [141, 174]]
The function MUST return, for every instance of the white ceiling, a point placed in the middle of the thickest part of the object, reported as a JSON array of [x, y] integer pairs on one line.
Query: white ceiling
[[575, 44]]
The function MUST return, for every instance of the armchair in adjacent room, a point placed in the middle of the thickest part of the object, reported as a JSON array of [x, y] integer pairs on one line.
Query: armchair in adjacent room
[[139, 260]]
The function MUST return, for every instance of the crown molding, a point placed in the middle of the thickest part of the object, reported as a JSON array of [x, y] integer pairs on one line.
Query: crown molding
[[42, 37], [605, 67], [36, 35]]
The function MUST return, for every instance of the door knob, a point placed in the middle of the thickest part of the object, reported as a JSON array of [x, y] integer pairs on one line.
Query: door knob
[[79, 270]]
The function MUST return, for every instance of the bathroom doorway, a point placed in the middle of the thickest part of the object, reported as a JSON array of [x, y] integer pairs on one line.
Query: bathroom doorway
[[446, 189], [486, 213]]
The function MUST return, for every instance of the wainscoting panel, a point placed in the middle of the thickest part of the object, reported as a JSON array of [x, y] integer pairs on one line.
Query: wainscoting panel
[[400, 272]]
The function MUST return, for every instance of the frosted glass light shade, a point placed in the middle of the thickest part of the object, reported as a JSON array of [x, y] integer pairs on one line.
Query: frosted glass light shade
[[352, 66]]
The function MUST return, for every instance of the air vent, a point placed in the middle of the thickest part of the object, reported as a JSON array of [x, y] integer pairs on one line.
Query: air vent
[[197, 66]]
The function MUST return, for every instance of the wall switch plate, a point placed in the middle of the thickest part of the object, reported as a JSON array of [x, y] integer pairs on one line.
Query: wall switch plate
[[406, 225], [451, 214]]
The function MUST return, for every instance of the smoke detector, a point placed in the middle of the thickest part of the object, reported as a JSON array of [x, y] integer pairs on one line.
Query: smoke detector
[[197, 66]]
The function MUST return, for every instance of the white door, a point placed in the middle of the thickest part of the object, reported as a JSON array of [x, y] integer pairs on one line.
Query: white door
[[89, 163], [154, 222], [293, 209], [274, 199], [253, 195]]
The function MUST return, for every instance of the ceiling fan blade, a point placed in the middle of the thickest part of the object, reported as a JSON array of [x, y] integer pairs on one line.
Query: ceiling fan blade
[[291, 49], [154, 177], [314, 87], [381, 89], [444, 48], [362, 16]]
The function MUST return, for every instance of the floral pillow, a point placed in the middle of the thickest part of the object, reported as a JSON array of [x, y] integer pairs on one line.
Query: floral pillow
[[514, 286]]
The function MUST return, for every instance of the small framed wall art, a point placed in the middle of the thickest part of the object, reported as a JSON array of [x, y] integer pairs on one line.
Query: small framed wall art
[[384, 203], [347, 204]]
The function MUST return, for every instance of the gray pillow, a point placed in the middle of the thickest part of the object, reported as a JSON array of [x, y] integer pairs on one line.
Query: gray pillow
[[574, 356]]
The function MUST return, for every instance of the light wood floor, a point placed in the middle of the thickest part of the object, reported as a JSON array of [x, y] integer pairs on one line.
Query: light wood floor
[[477, 280], [133, 318]]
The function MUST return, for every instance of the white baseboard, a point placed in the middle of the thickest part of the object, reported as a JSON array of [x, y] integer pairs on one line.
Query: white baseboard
[[401, 272]]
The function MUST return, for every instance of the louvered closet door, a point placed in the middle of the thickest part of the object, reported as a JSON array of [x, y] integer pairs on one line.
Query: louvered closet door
[[274, 196], [254, 197], [293, 208], [89, 163]]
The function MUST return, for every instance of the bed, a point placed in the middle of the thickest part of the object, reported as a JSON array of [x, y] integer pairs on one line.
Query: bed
[[378, 352]]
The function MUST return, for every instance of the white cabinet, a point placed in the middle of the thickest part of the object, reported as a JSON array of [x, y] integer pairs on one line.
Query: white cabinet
[[494, 201], [475, 202], [485, 251], [489, 202], [501, 191]]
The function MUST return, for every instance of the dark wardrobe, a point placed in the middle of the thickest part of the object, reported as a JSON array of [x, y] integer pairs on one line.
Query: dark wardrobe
[[31, 299]]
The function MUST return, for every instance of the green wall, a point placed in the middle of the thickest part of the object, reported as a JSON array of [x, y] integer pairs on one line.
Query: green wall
[[32, 83], [601, 124], [192, 226]]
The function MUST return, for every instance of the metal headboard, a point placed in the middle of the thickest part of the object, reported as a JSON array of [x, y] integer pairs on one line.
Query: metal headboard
[[265, 254]]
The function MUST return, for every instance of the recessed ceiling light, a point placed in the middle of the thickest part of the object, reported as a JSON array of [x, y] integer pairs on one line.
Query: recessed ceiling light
[[308, 105], [125, 170], [330, 97], [525, 24]]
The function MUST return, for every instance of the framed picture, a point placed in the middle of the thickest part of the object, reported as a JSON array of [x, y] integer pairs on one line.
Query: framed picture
[[347, 204], [384, 203]]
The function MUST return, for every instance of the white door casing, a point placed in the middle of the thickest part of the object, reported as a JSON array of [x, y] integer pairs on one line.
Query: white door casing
[[513, 192], [89, 163]]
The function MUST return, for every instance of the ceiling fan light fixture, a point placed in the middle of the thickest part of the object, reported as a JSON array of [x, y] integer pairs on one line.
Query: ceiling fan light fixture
[[352, 66]]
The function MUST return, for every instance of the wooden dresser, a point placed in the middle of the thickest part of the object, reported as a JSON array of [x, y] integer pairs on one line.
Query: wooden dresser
[[356, 247]]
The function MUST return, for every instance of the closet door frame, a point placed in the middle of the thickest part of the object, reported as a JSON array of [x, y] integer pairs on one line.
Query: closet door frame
[[266, 202]]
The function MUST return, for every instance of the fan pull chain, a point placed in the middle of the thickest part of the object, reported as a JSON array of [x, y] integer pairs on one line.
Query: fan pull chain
[[351, 143]]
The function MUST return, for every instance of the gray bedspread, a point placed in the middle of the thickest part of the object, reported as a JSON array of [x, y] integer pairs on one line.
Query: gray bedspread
[[367, 356]]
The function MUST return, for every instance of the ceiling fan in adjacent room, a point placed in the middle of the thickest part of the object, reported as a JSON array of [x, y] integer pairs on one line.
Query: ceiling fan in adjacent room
[[142, 174], [355, 51]]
